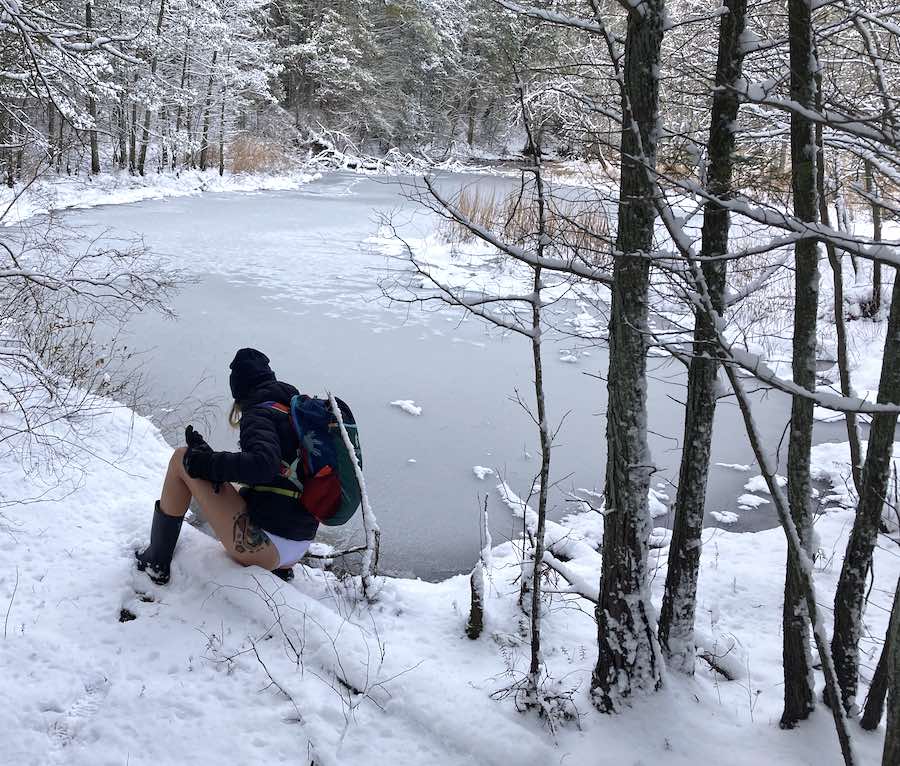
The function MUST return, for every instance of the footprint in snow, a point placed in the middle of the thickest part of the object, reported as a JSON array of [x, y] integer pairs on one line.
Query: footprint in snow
[[64, 730]]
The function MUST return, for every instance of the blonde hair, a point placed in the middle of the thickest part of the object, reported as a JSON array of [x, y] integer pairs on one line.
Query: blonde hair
[[234, 415]]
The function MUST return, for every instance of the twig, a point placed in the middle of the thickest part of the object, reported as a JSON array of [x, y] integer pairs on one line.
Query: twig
[[11, 599]]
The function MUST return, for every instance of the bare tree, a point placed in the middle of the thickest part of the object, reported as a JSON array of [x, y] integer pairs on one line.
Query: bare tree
[[629, 658], [798, 691], [676, 620], [849, 599]]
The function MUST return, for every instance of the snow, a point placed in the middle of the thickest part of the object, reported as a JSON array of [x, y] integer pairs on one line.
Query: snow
[[477, 268], [751, 501], [830, 463], [204, 673], [758, 484], [50, 193], [407, 405], [80, 687], [656, 503]]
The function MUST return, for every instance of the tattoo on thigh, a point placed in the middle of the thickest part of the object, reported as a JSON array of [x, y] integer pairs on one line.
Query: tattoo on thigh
[[248, 538]]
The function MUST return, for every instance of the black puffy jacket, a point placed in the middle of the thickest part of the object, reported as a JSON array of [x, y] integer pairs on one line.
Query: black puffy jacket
[[266, 438]]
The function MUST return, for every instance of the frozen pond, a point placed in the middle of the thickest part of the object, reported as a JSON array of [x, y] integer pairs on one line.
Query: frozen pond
[[292, 273]]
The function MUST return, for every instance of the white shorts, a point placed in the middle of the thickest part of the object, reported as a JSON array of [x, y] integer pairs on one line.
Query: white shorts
[[289, 551]]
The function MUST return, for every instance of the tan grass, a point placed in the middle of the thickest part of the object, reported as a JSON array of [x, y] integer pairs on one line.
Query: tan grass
[[250, 154], [575, 228]]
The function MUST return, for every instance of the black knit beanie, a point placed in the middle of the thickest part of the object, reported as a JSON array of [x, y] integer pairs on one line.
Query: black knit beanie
[[249, 369]]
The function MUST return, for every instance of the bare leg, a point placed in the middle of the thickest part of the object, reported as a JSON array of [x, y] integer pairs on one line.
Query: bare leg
[[175, 497], [225, 511]]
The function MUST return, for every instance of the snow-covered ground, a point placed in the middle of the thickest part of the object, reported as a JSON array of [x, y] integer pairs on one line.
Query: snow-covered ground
[[51, 192], [230, 665]]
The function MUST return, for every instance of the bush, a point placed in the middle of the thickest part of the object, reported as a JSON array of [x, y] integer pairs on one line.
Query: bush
[[251, 154]]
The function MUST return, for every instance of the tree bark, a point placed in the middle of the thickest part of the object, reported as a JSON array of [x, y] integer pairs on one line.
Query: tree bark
[[837, 276], [132, 134], [123, 133], [875, 304], [629, 659], [804, 571], [145, 130], [676, 622], [92, 105], [878, 688], [476, 609], [204, 139], [891, 755], [222, 121], [799, 699], [849, 599], [52, 147]]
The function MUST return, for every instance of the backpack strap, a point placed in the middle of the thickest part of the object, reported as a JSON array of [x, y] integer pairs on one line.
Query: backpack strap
[[283, 408], [292, 493]]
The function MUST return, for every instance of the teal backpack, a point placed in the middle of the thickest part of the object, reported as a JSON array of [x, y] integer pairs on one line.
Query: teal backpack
[[323, 471]]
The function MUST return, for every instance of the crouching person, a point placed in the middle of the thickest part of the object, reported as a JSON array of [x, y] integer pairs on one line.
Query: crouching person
[[263, 524]]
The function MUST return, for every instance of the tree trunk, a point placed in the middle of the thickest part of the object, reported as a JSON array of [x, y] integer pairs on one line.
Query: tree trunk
[[52, 148], [61, 123], [849, 599], [799, 699], [629, 659], [875, 304], [182, 85], [222, 121], [837, 276], [164, 138], [804, 571], [92, 106], [891, 755], [879, 686], [132, 134], [476, 609], [123, 133], [676, 621], [145, 131], [204, 139]]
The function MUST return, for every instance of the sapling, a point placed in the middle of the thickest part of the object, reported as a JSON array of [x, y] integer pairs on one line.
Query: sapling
[[370, 523]]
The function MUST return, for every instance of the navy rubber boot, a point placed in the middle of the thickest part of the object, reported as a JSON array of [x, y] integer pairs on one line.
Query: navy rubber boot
[[156, 558]]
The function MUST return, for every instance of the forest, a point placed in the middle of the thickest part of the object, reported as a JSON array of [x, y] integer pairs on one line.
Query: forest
[[716, 185]]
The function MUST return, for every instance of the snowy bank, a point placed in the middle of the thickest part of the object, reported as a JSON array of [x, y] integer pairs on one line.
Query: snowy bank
[[52, 192], [230, 665]]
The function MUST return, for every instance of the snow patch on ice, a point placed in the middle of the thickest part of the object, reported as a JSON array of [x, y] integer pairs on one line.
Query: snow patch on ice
[[751, 501], [407, 405], [758, 484]]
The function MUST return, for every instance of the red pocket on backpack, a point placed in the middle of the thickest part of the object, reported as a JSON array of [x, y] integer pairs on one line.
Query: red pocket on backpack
[[322, 494]]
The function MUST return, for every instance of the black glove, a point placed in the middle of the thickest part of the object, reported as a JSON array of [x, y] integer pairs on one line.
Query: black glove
[[194, 439], [198, 457]]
